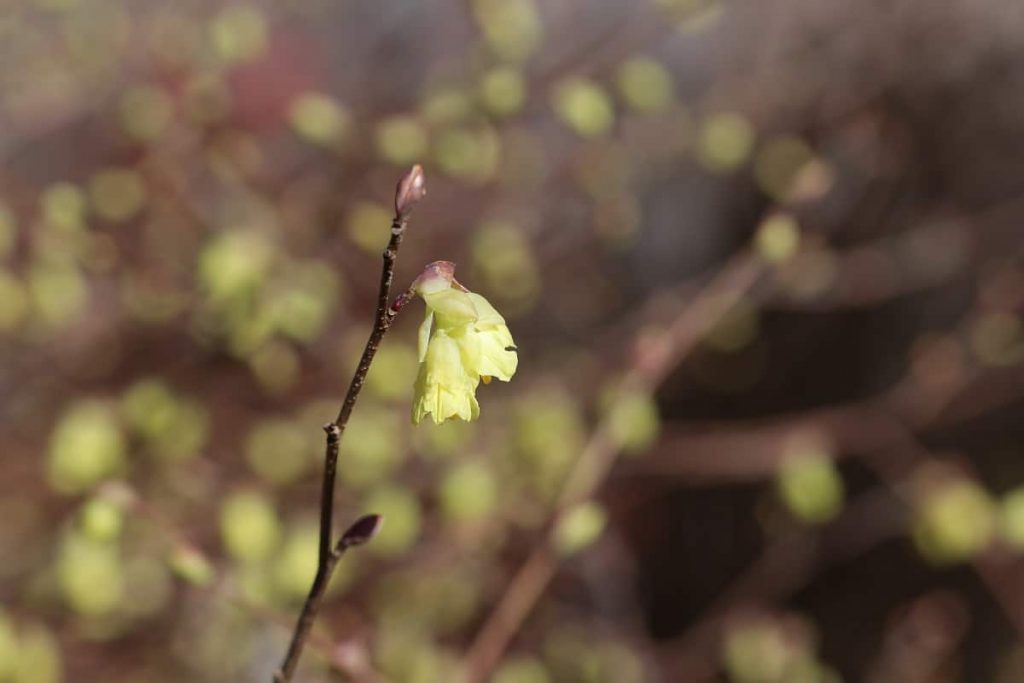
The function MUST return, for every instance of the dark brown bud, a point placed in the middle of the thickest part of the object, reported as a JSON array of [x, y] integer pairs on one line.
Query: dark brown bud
[[361, 531], [411, 188]]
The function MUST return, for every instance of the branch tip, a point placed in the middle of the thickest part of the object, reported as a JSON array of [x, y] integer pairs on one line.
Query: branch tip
[[411, 189]]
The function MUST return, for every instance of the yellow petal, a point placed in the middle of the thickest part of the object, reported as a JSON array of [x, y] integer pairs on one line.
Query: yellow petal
[[453, 307], [423, 338], [495, 357], [486, 313], [444, 389]]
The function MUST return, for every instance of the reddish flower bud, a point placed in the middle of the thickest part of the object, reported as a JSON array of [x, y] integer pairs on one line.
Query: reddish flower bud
[[411, 188], [435, 277]]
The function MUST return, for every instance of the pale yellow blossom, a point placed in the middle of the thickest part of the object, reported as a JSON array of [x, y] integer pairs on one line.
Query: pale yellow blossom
[[462, 340]]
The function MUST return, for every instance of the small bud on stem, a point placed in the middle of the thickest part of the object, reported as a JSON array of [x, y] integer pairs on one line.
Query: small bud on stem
[[361, 531], [411, 188]]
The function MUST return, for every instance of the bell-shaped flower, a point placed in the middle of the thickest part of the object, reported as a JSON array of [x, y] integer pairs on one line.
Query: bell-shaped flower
[[468, 322], [444, 389]]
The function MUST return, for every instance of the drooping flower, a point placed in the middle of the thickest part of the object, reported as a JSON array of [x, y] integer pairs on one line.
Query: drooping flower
[[462, 340]]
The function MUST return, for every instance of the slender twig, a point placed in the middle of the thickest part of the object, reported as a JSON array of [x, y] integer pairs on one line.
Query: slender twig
[[409, 191]]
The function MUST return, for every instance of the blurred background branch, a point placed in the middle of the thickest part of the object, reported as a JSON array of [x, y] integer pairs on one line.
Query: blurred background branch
[[656, 352]]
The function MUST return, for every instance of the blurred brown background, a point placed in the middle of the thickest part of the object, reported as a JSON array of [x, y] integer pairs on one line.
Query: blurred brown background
[[763, 262]]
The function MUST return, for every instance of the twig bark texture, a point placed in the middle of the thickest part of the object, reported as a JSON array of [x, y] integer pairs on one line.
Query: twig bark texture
[[409, 191]]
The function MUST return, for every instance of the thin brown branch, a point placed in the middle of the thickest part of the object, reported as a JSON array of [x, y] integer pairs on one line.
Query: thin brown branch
[[742, 451], [652, 363], [515, 605], [885, 433], [785, 566], [358, 533], [409, 191]]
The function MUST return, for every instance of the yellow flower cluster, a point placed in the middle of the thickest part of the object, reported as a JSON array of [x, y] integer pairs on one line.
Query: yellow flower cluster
[[462, 340]]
